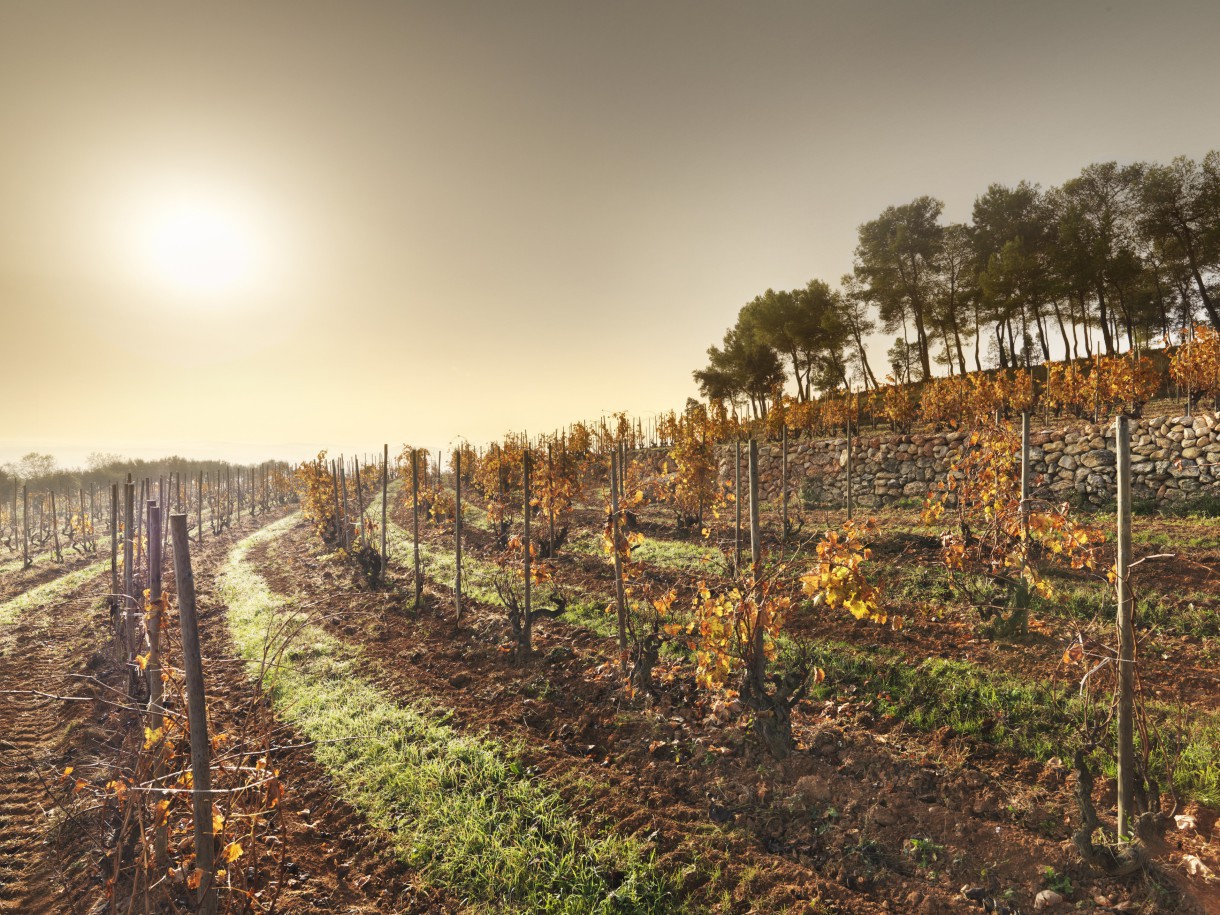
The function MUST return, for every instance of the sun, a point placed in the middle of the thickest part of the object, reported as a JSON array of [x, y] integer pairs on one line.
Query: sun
[[199, 247]]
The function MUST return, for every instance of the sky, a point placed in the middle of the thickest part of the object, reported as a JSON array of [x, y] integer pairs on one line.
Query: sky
[[255, 230]]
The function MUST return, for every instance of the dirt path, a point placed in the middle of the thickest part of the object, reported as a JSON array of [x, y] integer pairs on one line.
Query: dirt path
[[42, 650], [53, 853], [19, 581]]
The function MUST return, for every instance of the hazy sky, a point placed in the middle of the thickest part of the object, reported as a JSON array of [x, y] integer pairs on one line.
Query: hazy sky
[[453, 219]]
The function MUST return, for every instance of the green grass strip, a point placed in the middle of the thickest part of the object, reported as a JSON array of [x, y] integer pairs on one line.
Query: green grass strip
[[49, 591], [697, 557], [461, 809], [39, 558], [10, 565], [585, 608]]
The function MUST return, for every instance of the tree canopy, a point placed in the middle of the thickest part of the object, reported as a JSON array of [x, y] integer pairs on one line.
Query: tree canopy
[[1115, 259]]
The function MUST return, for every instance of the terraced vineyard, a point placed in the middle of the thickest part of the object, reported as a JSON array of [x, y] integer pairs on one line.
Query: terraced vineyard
[[598, 746]]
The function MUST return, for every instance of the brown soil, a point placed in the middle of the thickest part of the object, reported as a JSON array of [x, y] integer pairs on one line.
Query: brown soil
[[833, 822], [42, 650], [18, 581], [325, 857]]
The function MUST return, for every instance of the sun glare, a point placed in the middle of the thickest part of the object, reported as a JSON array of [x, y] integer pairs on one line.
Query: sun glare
[[200, 248]]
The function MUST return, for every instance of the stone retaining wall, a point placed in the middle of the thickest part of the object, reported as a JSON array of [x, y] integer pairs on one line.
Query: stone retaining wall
[[1172, 458]]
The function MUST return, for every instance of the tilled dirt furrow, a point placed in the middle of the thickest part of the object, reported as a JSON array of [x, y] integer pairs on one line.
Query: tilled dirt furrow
[[39, 654]]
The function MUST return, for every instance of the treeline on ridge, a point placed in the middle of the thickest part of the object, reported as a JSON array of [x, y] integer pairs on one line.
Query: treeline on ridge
[[1118, 259]]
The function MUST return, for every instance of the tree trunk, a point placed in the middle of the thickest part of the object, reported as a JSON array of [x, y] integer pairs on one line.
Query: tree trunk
[[1104, 317]]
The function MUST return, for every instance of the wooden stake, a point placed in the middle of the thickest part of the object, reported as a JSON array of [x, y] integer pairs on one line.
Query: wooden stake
[[528, 622], [737, 497], [25, 527], [783, 485], [419, 579], [164, 507], [759, 632], [155, 710], [114, 553], [59, 555], [1025, 474], [196, 707], [619, 599], [359, 502], [1126, 634], [129, 588], [755, 529], [849, 481], [334, 488], [385, 501], [457, 531], [550, 500], [343, 503]]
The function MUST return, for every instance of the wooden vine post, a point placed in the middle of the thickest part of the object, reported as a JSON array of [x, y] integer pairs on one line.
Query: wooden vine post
[[139, 516], [850, 507], [1126, 633], [165, 516], [25, 527], [114, 552], [359, 502], [343, 504], [759, 633], [737, 507], [1025, 474], [528, 621], [199, 508], [156, 710], [550, 500], [59, 553], [129, 588], [755, 531], [619, 599], [385, 501], [783, 486], [334, 486], [196, 709], [419, 580], [701, 488], [1189, 379], [457, 528]]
